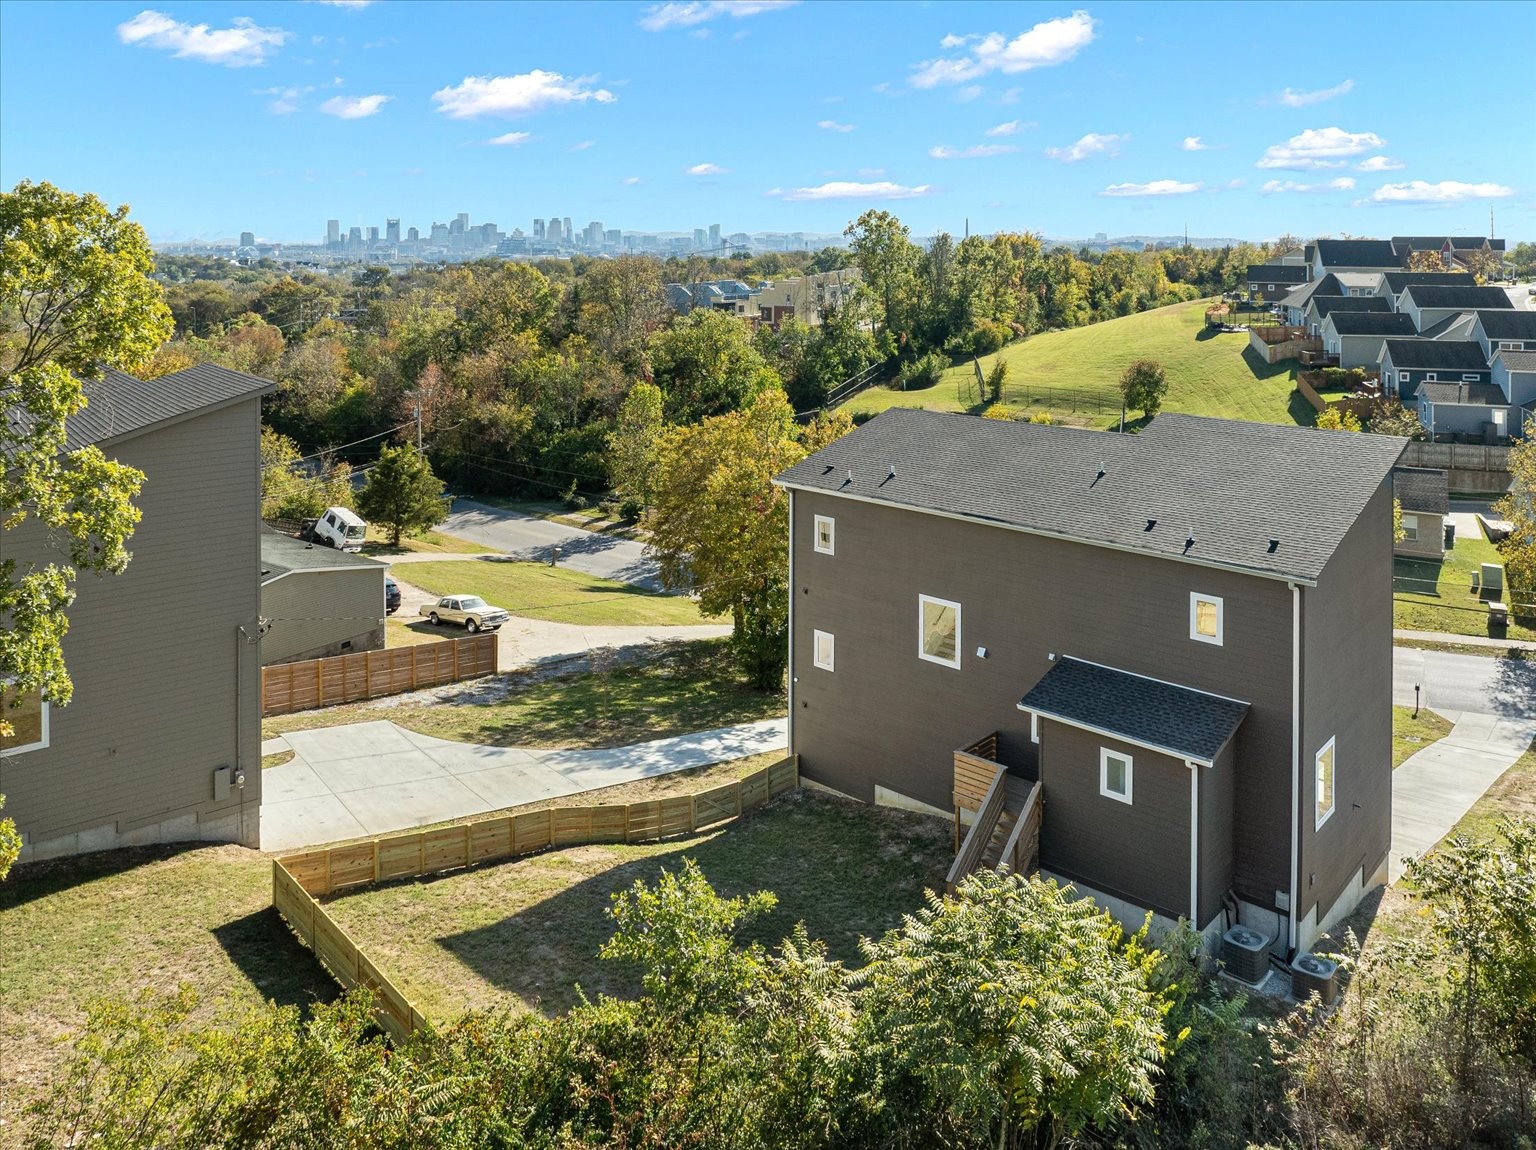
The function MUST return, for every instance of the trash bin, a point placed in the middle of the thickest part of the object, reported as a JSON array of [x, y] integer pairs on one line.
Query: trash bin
[[1498, 619], [1450, 536]]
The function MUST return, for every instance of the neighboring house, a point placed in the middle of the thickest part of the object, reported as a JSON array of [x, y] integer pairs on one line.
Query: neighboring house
[[1358, 283], [1423, 495], [1354, 256], [316, 601], [1272, 282], [166, 714], [1393, 284], [1428, 304], [1479, 410], [1355, 337], [806, 297], [1407, 363], [1450, 249], [1497, 331], [1320, 307], [1295, 302], [1454, 329], [730, 296], [1514, 373], [1198, 620]]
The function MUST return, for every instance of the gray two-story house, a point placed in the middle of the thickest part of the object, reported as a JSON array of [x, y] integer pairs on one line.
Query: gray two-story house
[[1184, 636], [162, 740]]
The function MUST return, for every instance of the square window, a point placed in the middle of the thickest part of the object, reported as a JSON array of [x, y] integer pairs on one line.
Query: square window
[[1324, 797], [826, 528], [1410, 527], [938, 638], [1205, 618], [28, 721], [821, 649], [1114, 775]]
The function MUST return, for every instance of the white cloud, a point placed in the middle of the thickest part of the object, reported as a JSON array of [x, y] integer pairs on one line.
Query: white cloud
[[1093, 144], [1194, 144], [1155, 188], [518, 95], [1291, 98], [631, 181], [833, 126], [1319, 148], [243, 43], [582, 145], [510, 139], [871, 173], [1342, 184], [707, 170], [354, 4], [1051, 42], [1008, 129], [687, 13], [285, 101], [968, 93], [974, 152], [1379, 164], [353, 107], [1444, 192], [848, 190]]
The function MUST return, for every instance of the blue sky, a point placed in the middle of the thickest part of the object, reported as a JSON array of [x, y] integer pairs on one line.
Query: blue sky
[[1233, 120]]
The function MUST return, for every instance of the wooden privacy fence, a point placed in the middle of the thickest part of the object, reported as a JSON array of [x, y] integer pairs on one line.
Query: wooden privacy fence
[[298, 879], [303, 686]]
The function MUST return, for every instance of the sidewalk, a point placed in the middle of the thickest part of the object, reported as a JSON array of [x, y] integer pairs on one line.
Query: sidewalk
[[366, 779], [1466, 640]]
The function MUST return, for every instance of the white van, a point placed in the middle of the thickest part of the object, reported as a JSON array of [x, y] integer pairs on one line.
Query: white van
[[341, 529]]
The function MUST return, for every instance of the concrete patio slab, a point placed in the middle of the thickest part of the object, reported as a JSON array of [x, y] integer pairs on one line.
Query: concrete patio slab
[[307, 821], [299, 783]]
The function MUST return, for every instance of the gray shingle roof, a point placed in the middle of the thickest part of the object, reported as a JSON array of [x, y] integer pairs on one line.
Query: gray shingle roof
[[282, 554], [1179, 720], [1458, 296], [1456, 328], [1518, 360], [119, 405], [1397, 281], [1371, 322], [1234, 486], [1423, 489], [1358, 254], [1508, 324], [1328, 285], [1437, 354], [1326, 305], [1470, 394], [1277, 273]]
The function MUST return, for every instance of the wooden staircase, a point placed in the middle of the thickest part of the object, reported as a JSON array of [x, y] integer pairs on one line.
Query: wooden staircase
[[1005, 834]]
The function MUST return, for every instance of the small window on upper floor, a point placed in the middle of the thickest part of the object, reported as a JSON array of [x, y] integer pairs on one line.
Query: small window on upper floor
[[826, 534], [1430, 377], [1324, 796], [1115, 775], [1206, 624], [26, 713], [938, 636], [1410, 527], [822, 649]]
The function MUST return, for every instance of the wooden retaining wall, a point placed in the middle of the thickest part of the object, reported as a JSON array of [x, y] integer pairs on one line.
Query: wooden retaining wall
[[298, 879], [288, 687]]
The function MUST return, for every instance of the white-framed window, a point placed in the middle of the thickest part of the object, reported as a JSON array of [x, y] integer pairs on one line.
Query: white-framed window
[[1115, 775], [1410, 527], [822, 645], [938, 630], [1430, 377], [1205, 618], [1034, 727], [29, 721], [1511, 345], [1469, 377], [1324, 797], [826, 534]]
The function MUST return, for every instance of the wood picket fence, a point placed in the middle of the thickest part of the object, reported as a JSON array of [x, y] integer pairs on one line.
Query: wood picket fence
[[299, 879], [303, 686]]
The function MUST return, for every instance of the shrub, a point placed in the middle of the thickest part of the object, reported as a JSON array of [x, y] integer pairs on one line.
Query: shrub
[[923, 372], [631, 508], [996, 411], [987, 337], [995, 380], [1043, 417]]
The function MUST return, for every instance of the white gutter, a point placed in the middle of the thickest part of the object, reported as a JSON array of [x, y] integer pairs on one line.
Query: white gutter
[[1295, 757], [791, 621], [1194, 842]]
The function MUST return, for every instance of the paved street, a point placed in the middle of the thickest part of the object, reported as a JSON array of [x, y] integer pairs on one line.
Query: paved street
[[1453, 684], [528, 537], [367, 779]]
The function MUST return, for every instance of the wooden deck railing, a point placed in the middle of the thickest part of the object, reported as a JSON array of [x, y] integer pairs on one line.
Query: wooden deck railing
[[298, 878], [980, 834], [1021, 854]]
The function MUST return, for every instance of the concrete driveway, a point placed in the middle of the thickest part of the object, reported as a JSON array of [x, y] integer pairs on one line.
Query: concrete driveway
[[529, 537], [366, 779]]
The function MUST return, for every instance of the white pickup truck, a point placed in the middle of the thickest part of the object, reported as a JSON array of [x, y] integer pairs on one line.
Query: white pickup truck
[[341, 529]]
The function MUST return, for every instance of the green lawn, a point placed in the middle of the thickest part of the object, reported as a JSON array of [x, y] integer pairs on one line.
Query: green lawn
[[431, 542], [1411, 735], [112, 923], [1074, 374], [525, 933], [688, 687], [555, 594], [1439, 596]]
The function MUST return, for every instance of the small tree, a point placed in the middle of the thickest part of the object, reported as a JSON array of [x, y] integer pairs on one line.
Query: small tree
[[402, 494], [1143, 386], [1389, 417], [1337, 419], [1518, 548], [995, 380], [632, 443]]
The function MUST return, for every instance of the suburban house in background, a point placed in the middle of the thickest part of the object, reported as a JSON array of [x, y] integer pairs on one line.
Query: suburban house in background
[[1181, 636], [1429, 304], [769, 301], [1406, 363], [162, 740], [1272, 282], [1354, 338], [1479, 411], [1354, 256], [1320, 307], [1424, 496], [317, 601]]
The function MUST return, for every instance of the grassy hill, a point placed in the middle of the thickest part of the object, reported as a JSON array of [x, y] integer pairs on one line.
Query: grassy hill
[[1074, 374]]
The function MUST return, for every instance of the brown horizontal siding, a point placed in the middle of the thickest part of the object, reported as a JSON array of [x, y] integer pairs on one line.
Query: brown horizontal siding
[[887, 718], [153, 651]]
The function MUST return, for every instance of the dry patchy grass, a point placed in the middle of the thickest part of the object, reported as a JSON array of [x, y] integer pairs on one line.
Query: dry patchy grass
[[1411, 735]]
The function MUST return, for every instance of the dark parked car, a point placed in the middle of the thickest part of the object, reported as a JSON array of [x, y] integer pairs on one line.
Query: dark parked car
[[391, 596]]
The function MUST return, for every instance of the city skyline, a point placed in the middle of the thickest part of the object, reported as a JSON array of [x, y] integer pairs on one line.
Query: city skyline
[[1113, 118]]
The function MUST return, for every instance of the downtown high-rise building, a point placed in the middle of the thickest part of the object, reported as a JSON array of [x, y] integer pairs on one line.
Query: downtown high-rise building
[[413, 236], [392, 231], [714, 235], [538, 229], [355, 237], [373, 235], [700, 237], [553, 233], [565, 222], [332, 232], [247, 239]]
